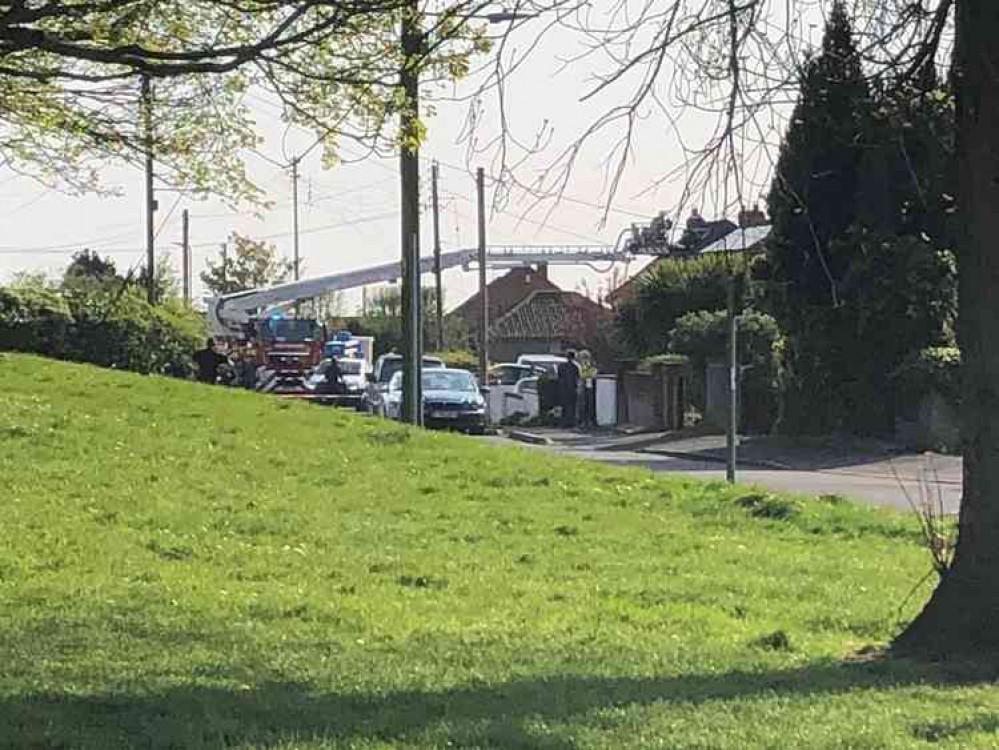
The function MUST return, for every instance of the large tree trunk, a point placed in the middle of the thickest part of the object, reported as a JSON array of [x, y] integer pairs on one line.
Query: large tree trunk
[[962, 616]]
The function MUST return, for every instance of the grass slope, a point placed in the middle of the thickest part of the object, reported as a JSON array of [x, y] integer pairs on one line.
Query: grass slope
[[188, 567]]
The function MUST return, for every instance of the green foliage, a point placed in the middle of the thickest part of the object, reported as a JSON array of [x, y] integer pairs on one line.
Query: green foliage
[[97, 317], [931, 370], [464, 359], [213, 570], [245, 264], [70, 97], [124, 331], [33, 318], [702, 336], [88, 264], [859, 271], [812, 197], [674, 288], [382, 319]]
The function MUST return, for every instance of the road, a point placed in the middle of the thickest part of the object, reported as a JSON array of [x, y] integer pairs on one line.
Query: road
[[874, 482]]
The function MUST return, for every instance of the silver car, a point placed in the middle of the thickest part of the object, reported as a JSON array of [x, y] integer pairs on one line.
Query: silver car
[[386, 366]]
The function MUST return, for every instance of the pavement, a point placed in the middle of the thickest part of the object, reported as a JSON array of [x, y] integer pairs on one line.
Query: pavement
[[866, 470]]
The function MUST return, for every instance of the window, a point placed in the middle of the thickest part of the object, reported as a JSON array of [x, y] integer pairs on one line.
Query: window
[[449, 380]]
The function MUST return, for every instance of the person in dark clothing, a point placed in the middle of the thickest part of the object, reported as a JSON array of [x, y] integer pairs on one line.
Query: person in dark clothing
[[208, 361], [332, 378], [568, 381], [246, 369]]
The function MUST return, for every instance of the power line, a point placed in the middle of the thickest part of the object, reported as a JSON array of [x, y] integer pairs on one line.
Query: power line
[[566, 198], [540, 224], [108, 251], [314, 230]]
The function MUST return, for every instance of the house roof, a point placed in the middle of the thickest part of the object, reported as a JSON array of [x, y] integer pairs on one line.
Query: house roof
[[740, 240], [504, 294], [550, 315]]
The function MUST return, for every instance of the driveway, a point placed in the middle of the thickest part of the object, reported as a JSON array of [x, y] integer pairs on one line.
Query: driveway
[[875, 479]]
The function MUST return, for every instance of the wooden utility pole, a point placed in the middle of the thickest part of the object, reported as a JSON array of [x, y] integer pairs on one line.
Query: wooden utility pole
[[294, 200], [225, 270], [435, 172], [731, 432], [147, 138], [480, 189], [409, 178], [186, 256]]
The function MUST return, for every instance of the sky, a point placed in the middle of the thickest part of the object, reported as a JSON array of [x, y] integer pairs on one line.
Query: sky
[[349, 215]]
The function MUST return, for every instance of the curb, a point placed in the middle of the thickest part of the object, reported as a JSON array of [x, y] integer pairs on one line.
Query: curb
[[751, 463], [528, 437]]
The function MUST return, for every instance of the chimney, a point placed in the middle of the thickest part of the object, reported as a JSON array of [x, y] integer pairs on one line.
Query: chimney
[[543, 271], [752, 217]]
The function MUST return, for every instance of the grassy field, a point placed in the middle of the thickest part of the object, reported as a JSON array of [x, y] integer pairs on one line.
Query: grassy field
[[189, 567]]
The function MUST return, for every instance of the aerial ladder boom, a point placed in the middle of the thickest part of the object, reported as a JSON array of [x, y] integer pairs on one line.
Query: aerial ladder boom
[[229, 313]]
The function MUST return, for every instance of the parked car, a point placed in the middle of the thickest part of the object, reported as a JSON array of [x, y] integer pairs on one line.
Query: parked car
[[451, 400], [386, 367], [547, 362]]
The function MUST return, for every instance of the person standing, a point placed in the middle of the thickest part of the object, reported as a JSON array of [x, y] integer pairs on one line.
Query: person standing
[[246, 369], [568, 381], [208, 361]]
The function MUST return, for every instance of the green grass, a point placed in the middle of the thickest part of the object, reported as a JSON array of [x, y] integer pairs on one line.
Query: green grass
[[189, 567]]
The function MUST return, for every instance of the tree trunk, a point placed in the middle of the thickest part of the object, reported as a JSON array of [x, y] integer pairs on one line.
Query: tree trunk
[[962, 616]]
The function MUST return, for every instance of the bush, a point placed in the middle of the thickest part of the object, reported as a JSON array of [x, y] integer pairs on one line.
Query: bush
[[935, 369], [464, 359], [106, 324], [672, 289], [33, 319], [703, 336]]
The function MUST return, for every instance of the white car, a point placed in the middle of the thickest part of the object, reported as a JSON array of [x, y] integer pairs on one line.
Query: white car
[[547, 362], [352, 376]]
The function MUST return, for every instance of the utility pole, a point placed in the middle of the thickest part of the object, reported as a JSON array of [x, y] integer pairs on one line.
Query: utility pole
[[294, 200], [225, 272], [147, 137], [186, 256], [480, 189], [409, 178], [435, 171], [731, 432]]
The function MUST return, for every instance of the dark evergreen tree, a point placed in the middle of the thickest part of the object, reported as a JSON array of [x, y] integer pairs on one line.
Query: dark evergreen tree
[[812, 201]]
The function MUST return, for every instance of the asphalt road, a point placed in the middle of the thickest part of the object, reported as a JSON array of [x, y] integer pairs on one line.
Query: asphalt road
[[875, 483]]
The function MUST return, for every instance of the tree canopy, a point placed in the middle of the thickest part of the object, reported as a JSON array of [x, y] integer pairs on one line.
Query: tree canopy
[[70, 80], [245, 264]]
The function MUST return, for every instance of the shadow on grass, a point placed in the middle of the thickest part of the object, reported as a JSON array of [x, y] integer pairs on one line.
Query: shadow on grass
[[941, 731], [504, 715]]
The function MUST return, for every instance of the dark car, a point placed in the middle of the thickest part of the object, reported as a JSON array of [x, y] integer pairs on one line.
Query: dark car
[[451, 400]]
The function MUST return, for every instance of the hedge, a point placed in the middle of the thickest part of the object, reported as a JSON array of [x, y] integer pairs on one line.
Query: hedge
[[103, 325]]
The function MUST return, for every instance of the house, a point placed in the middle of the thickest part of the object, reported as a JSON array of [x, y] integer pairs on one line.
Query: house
[[504, 294], [703, 237], [528, 314], [550, 322]]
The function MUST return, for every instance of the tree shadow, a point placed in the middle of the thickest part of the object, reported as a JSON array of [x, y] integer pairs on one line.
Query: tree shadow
[[940, 731], [502, 715]]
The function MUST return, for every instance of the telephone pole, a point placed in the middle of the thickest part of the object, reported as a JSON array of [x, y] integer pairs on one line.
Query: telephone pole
[[409, 179], [480, 189], [435, 173], [186, 256], [294, 200], [147, 137], [225, 271], [731, 432]]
